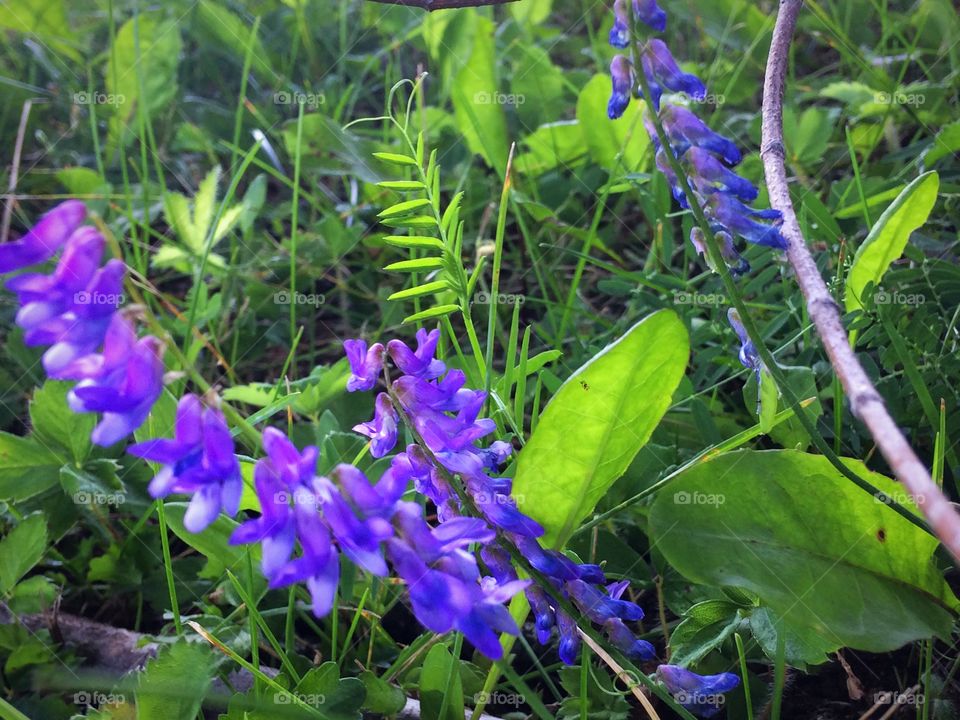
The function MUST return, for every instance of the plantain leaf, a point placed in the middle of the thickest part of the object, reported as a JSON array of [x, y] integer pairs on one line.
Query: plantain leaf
[[597, 422], [829, 560]]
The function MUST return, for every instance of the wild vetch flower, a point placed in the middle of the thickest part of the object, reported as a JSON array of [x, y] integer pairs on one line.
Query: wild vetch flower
[[749, 357], [620, 32], [662, 71], [199, 460], [733, 260], [686, 130], [702, 695], [445, 415], [649, 12], [710, 175], [382, 430], [729, 213], [71, 308], [44, 239], [122, 383], [621, 70], [365, 364], [625, 641]]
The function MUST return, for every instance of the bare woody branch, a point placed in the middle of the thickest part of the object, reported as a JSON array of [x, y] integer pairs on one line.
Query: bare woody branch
[[865, 401]]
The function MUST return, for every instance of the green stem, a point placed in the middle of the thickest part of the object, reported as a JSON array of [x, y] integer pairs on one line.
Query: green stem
[[168, 568]]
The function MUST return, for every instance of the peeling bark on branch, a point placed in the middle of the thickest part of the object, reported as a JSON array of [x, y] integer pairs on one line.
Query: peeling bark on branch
[[866, 403]]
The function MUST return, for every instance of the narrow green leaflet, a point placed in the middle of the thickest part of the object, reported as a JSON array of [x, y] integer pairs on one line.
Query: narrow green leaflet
[[829, 560], [889, 236], [597, 422], [20, 550]]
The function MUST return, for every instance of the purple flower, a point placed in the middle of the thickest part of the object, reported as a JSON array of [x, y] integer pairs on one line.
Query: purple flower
[[569, 646], [365, 364], [382, 430], [737, 264], [123, 383], [620, 32], [736, 218], [625, 641], [544, 618], [199, 460], [700, 694], [43, 239], [662, 71], [419, 363], [749, 357], [709, 175], [685, 130], [600, 607], [621, 71], [650, 13]]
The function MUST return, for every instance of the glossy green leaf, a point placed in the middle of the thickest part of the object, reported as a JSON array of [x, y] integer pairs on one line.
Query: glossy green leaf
[[20, 550], [597, 422], [889, 236], [826, 557]]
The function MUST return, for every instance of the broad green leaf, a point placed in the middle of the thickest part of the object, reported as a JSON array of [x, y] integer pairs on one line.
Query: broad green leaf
[[334, 697], [533, 12], [807, 135], [174, 684], [27, 467], [705, 627], [945, 143], [205, 204], [827, 558], [550, 145], [47, 20], [800, 649], [441, 688], [889, 236], [54, 424], [233, 32], [382, 697], [606, 138], [597, 422], [145, 55], [20, 550], [478, 101]]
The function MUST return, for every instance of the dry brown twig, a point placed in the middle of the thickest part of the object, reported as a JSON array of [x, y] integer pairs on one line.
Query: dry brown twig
[[865, 402]]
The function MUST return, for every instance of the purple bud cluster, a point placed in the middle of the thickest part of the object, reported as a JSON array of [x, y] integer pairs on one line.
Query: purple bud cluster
[[444, 416], [74, 311], [705, 155]]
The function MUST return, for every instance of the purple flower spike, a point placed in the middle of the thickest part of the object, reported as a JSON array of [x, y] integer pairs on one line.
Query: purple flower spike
[[620, 32], [421, 363], [382, 430], [662, 70], [621, 70], [650, 13], [199, 460], [123, 383], [749, 357], [630, 645], [43, 239], [709, 174], [684, 129], [569, 646], [365, 364], [599, 607], [700, 694], [735, 217]]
